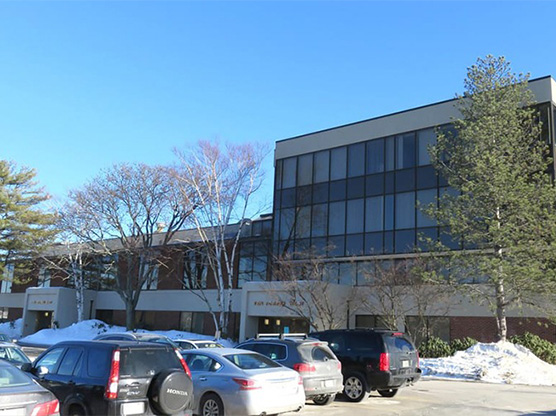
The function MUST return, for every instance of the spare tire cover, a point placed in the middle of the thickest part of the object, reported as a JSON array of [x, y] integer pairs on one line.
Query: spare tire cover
[[170, 391]]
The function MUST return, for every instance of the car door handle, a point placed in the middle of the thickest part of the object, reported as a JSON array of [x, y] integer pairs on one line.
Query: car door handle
[[202, 379], [71, 382]]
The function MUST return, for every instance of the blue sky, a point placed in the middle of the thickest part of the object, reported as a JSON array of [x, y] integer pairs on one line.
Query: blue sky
[[84, 85]]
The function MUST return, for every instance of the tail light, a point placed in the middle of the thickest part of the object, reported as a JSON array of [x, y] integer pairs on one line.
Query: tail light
[[111, 391], [247, 383], [183, 363], [304, 368], [384, 363], [46, 409], [339, 366]]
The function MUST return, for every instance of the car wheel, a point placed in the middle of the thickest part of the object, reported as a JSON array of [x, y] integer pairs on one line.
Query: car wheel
[[355, 388], [388, 393], [170, 392], [211, 405], [324, 399], [76, 411]]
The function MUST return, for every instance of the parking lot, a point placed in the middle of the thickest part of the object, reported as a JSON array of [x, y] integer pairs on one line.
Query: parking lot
[[449, 398]]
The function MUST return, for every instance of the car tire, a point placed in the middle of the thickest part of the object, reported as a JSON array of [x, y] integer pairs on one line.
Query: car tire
[[211, 405], [170, 392], [324, 399], [355, 387], [388, 392], [76, 410]]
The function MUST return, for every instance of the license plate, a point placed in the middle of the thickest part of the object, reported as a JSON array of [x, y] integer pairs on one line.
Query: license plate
[[13, 412], [328, 383], [133, 408], [405, 363]]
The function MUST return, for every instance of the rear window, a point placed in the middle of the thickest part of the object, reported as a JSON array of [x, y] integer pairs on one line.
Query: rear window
[[316, 353], [399, 344], [366, 342], [12, 377], [147, 362], [99, 362], [251, 361], [272, 351]]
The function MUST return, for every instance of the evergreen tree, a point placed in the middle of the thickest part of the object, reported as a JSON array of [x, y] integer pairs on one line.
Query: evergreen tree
[[25, 229], [503, 204]]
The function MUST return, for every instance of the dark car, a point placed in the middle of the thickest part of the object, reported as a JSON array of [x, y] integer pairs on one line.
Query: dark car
[[373, 359], [115, 378], [20, 395], [311, 358]]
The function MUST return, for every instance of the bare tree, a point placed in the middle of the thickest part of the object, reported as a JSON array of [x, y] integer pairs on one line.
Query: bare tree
[[127, 216], [222, 181], [403, 288], [310, 289]]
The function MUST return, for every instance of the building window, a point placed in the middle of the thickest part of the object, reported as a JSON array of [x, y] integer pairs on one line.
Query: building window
[[425, 199], [194, 270], [320, 220], [289, 172], [421, 328], [374, 214], [356, 160], [6, 285], [405, 210], [151, 282], [338, 163], [370, 321], [337, 218], [322, 166], [405, 151], [426, 139], [375, 156], [253, 262], [355, 216], [44, 277], [192, 322], [305, 170]]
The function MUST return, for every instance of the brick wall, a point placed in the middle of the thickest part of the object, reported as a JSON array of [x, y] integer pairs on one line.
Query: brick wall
[[484, 329]]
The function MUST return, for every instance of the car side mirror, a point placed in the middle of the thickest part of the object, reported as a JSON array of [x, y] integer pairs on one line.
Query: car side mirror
[[27, 367]]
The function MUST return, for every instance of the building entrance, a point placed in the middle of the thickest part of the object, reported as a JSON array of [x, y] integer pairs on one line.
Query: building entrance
[[283, 325], [43, 320]]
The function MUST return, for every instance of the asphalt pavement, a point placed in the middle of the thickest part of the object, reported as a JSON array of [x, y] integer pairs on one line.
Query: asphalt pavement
[[448, 398]]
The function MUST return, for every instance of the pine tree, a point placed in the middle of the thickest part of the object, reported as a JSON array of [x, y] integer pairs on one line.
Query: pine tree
[[25, 229], [503, 207]]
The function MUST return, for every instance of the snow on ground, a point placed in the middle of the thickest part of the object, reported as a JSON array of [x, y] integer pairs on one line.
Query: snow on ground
[[501, 362], [87, 330]]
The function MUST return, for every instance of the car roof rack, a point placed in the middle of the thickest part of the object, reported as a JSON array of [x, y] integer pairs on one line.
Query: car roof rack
[[282, 335]]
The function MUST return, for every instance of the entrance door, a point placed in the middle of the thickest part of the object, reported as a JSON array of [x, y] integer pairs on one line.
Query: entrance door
[[43, 320]]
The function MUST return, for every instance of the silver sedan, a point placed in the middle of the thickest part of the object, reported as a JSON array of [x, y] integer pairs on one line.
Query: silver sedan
[[229, 381]]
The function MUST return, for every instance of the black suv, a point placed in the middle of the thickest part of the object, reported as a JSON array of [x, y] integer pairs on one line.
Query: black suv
[[115, 378], [373, 359]]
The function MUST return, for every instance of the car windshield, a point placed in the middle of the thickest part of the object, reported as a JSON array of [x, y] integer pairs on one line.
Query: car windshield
[[251, 361], [146, 362], [14, 355], [12, 377]]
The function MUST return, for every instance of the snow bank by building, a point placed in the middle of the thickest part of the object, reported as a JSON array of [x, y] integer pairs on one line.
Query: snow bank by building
[[87, 330], [501, 362], [12, 329]]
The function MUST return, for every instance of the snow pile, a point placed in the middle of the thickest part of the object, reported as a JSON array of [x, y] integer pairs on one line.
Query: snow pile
[[501, 362], [12, 329], [87, 330]]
